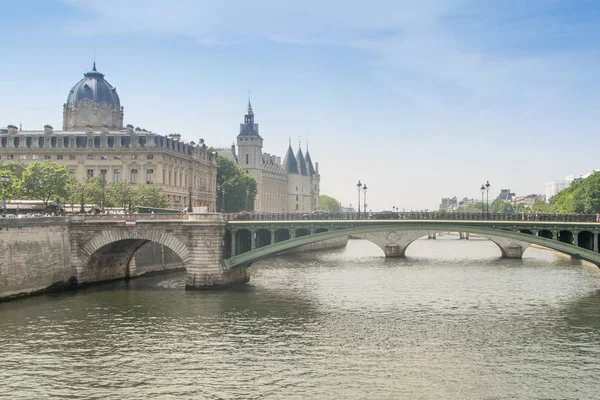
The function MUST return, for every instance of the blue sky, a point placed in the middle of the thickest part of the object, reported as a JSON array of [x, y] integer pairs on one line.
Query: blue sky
[[420, 100]]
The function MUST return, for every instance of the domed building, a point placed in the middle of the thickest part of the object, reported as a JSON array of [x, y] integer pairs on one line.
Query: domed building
[[94, 143], [92, 103]]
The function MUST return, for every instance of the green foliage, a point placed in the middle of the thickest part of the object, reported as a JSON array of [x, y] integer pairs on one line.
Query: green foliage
[[471, 208], [10, 174], [581, 197], [120, 194], [43, 181], [330, 204], [149, 196], [49, 181], [239, 188]]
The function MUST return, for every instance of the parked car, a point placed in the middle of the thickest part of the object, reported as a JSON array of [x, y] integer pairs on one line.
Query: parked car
[[317, 214], [11, 216], [385, 215]]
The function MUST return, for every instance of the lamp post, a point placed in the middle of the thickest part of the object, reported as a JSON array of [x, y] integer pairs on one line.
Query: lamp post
[[103, 191], [190, 208], [217, 201], [487, 196], [222, 200], [5, 182], [482, 192], [247, 194], [82, 209], [365, 200], [358, 186]]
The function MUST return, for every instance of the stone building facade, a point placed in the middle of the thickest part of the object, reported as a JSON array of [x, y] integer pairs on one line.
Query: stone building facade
[[94, 143], [291, 186]]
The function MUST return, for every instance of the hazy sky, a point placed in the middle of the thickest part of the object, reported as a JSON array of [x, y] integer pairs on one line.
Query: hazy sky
[[418, 99]]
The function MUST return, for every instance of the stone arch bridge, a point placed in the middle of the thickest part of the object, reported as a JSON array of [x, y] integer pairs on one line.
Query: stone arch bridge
[[216, 251]]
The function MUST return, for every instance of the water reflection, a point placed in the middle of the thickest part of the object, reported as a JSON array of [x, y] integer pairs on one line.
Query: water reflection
[[450, 321]]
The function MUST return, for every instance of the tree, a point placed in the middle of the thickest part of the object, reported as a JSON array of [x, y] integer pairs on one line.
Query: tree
[[10, 174], [330, 204], [149, 196], [238, 186], [43, 181], [120, 194], [582, 197]]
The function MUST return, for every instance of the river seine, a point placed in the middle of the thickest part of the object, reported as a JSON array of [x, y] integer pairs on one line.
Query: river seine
[[451, 321]]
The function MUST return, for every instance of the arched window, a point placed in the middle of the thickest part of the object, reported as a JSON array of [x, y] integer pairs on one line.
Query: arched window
[[247, 157]]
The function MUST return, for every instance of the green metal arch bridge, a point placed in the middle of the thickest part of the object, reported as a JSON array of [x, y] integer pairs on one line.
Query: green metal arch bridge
[[577, 239]]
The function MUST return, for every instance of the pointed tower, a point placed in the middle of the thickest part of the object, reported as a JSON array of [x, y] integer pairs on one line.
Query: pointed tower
[[289, 162], [250, 146], [315, 183], [301, 162]]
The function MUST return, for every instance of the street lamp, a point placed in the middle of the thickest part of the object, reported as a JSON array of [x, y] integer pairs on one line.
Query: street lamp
[[487, 196], [5, 182], [247, 194], [82, 209], [365, 199], [358, 186], [190, 208], [482, 192], [222, 200]]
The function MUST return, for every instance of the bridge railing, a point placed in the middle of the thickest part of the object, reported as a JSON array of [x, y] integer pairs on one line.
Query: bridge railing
[[450, 216], [132, 216]]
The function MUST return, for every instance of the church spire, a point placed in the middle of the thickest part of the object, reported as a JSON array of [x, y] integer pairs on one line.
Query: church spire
[[249, 114], [249, 128]]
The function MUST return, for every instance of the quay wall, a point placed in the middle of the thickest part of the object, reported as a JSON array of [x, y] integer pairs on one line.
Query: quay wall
[[34, 255]]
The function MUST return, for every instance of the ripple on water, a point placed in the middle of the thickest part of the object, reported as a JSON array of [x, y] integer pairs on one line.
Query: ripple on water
[[450, 321]]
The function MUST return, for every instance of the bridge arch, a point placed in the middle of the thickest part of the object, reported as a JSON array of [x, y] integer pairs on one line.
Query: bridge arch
[[504, 238], [395, 243], [107, 255]]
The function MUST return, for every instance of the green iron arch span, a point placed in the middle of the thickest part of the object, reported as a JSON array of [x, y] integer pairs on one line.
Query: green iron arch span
[[450, 226]]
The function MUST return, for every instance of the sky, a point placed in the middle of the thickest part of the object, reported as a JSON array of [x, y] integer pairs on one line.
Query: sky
[[418, 100]]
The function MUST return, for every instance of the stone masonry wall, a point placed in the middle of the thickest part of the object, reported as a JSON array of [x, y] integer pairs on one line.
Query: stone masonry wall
[[34, 255], [154, 257]]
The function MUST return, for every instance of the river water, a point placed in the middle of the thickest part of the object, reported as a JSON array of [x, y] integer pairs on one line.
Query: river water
[[451, 321]]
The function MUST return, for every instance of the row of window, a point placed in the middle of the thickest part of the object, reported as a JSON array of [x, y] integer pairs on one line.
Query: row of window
[[74, 156], [98, 142], [79, 142], [133, 175]]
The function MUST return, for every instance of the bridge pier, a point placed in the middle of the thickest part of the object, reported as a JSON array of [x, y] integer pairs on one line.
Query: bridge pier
[[508, 247], [394, 251], [205, 267]]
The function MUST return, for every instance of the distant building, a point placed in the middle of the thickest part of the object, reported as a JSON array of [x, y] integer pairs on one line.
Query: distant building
[[348, 209], [555, 187], [291, 186], [506, 195], [529, 200], [94, 143], [448, 202]]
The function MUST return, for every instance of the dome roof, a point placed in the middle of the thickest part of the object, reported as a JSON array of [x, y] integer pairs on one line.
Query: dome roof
[[94, 87]]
